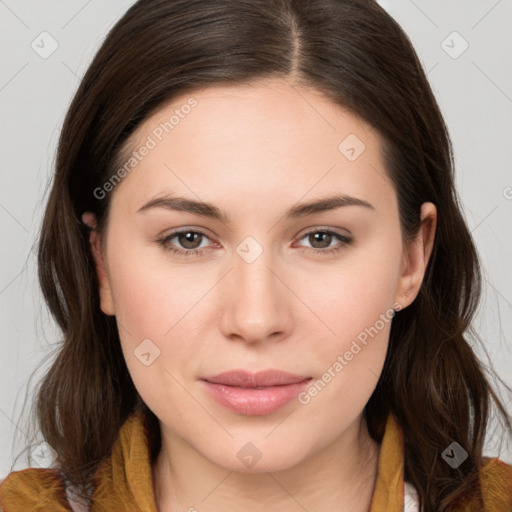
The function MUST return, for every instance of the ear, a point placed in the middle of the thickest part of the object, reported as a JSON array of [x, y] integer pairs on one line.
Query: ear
[[106, 302], [416, 255]]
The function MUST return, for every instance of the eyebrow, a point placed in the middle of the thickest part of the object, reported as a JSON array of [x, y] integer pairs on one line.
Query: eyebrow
[[182, 204]]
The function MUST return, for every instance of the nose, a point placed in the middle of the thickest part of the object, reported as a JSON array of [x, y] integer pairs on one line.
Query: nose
[[257, 300]]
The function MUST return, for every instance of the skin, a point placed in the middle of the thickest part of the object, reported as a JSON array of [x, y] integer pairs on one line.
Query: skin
[[254, 151]]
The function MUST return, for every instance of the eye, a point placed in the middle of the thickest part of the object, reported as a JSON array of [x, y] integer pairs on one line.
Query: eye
[[321, 240], [188, 242], [189, 239]]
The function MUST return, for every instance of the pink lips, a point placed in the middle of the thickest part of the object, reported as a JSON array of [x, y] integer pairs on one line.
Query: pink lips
[[255, 393]]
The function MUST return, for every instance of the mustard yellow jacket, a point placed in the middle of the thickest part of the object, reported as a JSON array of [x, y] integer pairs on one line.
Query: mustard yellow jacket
[[124, 481]]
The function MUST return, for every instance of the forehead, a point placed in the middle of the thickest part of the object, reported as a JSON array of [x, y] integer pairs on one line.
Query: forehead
[[265, 141]]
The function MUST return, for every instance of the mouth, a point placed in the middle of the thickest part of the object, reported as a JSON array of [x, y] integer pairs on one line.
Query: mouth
[[254, 394]]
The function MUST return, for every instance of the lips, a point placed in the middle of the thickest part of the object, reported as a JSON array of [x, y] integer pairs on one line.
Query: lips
[[254, 394], [262, 379]]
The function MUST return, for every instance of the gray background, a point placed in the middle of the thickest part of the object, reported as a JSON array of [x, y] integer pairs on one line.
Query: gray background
[[473, 87]]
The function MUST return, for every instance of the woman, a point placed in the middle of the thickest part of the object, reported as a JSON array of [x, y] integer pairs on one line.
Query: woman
[[255, 252]]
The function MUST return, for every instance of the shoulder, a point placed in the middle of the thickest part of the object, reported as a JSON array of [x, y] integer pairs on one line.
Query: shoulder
[[33, 489], [496, 480], [496, 484]]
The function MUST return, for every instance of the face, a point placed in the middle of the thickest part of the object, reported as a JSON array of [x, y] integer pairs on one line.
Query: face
[[267, 283]]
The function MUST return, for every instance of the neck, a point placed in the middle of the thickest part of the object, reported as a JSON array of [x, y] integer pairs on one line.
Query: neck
[[339, 477]]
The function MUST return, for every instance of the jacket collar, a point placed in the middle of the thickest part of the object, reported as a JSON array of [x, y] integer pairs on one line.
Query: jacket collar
[[388, 495], [125, 479]]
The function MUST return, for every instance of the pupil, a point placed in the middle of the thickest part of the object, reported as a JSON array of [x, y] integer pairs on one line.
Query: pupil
[[318, 238], [189, 239]]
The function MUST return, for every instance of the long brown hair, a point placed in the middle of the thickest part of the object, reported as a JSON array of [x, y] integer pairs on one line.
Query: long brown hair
[[359, 57]]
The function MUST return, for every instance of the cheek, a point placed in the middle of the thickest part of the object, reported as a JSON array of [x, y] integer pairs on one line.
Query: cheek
[[151, 296], [349, 362], [156, 320], [156, 312], [353, 303], [350, 296]]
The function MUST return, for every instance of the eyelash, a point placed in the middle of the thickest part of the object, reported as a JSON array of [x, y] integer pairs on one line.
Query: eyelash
[[165, 241]]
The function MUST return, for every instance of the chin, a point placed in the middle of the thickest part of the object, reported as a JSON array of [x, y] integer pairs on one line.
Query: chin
[[253, 458]]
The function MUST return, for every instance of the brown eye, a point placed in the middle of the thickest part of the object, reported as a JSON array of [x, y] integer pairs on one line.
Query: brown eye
[[189, 239], [320, 241], [185, 242], [322, 238]]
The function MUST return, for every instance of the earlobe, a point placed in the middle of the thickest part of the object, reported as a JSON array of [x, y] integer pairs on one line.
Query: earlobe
[[107, 304], [416, 256]]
